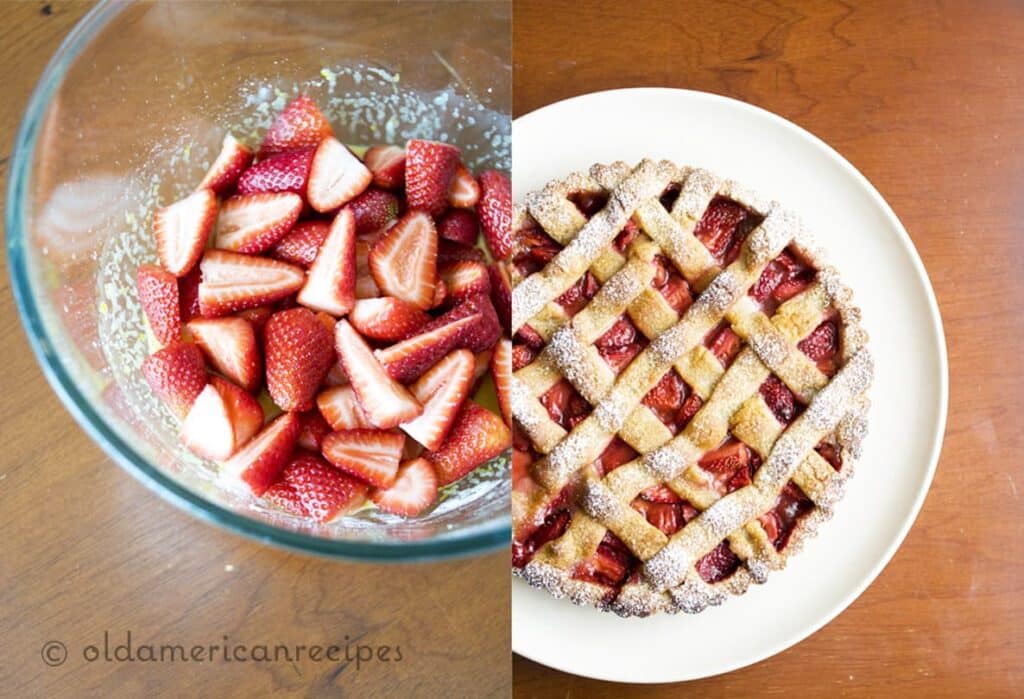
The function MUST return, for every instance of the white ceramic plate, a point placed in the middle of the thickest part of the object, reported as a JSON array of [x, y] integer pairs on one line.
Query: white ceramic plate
[[878, 261]]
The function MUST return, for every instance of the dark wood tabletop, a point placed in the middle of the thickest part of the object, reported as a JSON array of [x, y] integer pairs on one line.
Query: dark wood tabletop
[[927, 100], [88, 551]]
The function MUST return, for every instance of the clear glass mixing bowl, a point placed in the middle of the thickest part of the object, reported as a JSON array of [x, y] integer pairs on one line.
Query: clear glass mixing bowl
[[127, 116]]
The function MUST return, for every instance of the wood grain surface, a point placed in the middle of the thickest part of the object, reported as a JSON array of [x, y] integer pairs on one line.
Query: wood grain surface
[[926, 99], [87, 549]]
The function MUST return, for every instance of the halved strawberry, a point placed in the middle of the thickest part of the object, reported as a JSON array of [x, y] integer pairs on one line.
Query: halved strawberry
[[258, 317], [324, 492], [414, 489], [336, 176], [442, 391], [181, 230], [188, 294], [501, 292], [302, 243], [340, 408], [299, 351], [483, 365], [244, 411], [284, 172], [371, 455], [386, 319], [482, 336], [252, 223], [495, 212], [300, 125], [232, 160], [449, 251], [331, 284], [373, 209], [463, 192], [234, 282], [258, 464], [407, 360], [404, 260], [385, 402], [313, 430], [336, 375], [387, 163], [460, 226], [230, 346], [501, 372], [177, 375], [465, 279], [429, 169], [158, 294], [207, 430], [477, 435], [440, 294], [283, 496]]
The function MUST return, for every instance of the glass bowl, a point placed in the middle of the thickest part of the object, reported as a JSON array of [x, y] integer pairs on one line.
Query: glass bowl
[[128, 115]]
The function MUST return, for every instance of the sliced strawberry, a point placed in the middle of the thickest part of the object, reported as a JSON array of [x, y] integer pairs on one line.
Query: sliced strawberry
[[177, 375], [386, 402], [244, 411], [188, 294], [230, 346], [477, 436], [181, 231], [253, 223], [465, 279], [387, 319], [258, 464], [483, 365], [158, 294], [460, 226], [336, 176], [313, 430], [232, 160], [387, 163], [371, 455], [299, 351], [779, 398], [373, 209], [501, 292], [207, 429], [324, 492], [234, 282], [441, 391], [300, 125], [340, 408], [302, 243], [429, 169], [414, 490], [331, 284], [440, 294], [449, 251], [366, 288], [464, 191], [283, 496], [336, 375], [501, 372], [495, 212], [404, 260], [284, 172]]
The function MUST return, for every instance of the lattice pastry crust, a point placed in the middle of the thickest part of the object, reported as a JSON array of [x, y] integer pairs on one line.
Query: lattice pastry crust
[[663, 205]]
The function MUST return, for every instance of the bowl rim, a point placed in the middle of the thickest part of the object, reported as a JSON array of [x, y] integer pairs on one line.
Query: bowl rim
[[477, 540]]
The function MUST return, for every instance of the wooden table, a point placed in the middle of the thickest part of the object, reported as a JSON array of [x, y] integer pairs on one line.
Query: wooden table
[[927, 100], [88, 549]]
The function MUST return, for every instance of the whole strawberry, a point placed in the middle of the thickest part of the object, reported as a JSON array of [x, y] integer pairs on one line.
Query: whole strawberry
[[373, 209], [429, 169], [299, 351], [495, 212]]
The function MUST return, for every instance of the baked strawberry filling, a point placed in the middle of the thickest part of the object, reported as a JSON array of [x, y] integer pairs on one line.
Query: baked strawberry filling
[[614, 455], [620, 344], [723, 343], [780, 521], [565, 405], [610, 565], [723, 228], [671, 285], [730, 466], [782, 279], [673, 401], [822, 345]]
